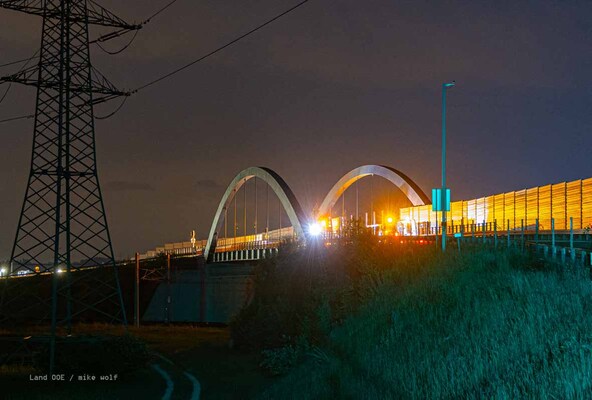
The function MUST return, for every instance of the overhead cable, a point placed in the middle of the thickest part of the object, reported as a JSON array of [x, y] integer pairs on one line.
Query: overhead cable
[[211, 53]]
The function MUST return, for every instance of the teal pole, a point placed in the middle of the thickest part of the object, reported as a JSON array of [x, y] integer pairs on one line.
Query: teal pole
[[495, 233], [522, 233], [571, 235], [483, 238], [508, 233], [553, 235], [443, 202]]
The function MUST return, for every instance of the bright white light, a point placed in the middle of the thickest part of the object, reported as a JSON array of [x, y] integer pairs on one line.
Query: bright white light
[[314, 229], [59, 270], [2, 271]]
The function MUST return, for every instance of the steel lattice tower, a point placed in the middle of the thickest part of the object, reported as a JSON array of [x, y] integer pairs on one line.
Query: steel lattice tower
[[62, 228]]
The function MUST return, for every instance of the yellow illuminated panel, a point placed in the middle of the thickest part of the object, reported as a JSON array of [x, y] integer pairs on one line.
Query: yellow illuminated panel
[[532, 209], [498, 212], [545, 207], [509, 209], [558, 205], [434, 217], [489, 207], [424, 213], [574, 203], [587, 202], [456, 214], [520, 208], [471, 211], [559, 201]]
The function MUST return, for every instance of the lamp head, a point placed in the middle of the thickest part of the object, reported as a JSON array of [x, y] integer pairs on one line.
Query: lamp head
[[449, 84], [315, 229]]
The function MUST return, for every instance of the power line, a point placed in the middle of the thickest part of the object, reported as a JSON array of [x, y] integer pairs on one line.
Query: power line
[[163, 77], [98, 43], [113, 112], [193, 62], [6, 92], [159, 11], [17, 118], [104, 37], [211, 53], [28, 60], [15, 62], [122, 32]]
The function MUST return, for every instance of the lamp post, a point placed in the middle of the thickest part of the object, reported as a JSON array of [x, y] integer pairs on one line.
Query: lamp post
[[443, 200]]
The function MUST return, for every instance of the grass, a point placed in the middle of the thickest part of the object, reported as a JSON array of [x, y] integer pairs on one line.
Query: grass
[[484, 324], [203, 351]]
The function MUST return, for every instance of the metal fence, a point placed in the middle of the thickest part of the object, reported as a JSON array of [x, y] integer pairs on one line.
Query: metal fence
[[512, 210]]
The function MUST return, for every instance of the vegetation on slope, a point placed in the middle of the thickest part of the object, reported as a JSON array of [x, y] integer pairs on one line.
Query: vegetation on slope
[[375, 321]]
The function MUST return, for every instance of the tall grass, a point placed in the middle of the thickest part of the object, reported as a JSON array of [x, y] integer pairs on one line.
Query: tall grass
[[483, 324]]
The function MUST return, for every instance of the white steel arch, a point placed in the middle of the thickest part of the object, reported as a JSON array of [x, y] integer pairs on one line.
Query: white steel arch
[[396, 177], [277, 184]]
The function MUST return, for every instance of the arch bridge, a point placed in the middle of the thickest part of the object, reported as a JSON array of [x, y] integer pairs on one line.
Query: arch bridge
[[265, 243]]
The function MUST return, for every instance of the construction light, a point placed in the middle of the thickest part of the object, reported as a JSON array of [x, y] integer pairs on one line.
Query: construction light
[[315, 229]]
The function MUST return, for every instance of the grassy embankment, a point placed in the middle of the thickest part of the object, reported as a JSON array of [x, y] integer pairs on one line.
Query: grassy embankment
[[399, 323]]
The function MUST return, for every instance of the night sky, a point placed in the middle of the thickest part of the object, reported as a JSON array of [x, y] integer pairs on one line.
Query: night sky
[[334, 85]]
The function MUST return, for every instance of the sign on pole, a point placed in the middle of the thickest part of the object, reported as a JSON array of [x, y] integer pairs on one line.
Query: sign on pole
[[437, 200]]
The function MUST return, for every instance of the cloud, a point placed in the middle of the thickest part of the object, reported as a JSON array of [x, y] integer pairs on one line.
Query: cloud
[[207, 184], [120, 186]]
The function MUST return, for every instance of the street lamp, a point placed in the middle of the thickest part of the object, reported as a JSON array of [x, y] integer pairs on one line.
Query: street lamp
[[443, 199]]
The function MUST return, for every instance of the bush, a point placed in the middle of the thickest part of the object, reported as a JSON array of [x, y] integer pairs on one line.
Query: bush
[[289, 291]]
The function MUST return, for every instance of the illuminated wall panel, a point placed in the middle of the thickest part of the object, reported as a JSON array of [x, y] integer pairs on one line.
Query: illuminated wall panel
[[465, 212], [560, 201], [433, 218], [574, 203], [510, 209], [489, 209], [545, 207], [404, 213], [479, 210], [532, 207], [424, 212], [499, 211], [587, 202], [471, 211], [415, 214], [456, 211], [558, 205], [520, 208]]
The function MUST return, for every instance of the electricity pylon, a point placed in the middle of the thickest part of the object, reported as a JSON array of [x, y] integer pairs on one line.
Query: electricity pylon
[[62, 230]]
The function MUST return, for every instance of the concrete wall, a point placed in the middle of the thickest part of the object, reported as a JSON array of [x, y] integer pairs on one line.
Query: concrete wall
[[227, 289]]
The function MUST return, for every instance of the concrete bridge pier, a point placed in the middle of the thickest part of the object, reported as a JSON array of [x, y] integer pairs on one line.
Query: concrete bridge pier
[[215, 294]]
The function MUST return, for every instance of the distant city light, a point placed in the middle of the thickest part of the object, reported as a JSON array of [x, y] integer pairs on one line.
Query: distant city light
[[315, 229], [59, 270]]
